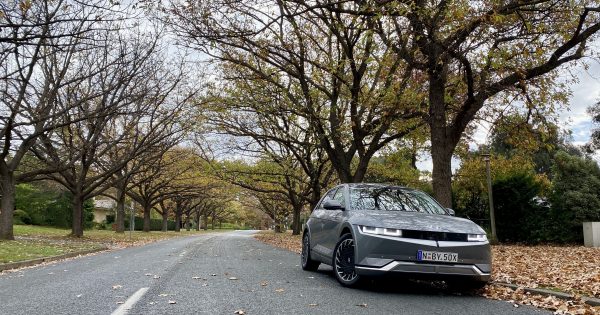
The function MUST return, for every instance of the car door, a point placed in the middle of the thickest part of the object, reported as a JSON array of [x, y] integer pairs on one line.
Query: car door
[[333, 219], [317, 224]]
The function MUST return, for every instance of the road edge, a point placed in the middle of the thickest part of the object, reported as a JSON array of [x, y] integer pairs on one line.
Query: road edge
[[37, 261], [592, 301]]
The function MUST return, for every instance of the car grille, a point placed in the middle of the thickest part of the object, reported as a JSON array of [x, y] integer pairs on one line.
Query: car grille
[[435, 236]]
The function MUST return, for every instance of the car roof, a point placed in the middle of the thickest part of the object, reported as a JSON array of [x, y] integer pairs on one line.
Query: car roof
[[375, 185]]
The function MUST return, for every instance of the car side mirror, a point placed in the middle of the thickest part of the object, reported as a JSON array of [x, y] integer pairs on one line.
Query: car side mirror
[[450, 212], [333, 204]]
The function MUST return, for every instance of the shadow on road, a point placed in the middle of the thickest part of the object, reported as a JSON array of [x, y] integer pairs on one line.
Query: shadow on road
[[402, 285]]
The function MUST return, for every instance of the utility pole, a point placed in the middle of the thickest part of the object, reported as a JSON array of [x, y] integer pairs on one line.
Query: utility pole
[[486, 158]]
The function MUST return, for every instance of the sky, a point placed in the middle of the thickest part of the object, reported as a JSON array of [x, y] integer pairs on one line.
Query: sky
[[574, 117]]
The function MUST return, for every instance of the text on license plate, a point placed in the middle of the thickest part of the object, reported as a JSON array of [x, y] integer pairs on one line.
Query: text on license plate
[[436, 256]]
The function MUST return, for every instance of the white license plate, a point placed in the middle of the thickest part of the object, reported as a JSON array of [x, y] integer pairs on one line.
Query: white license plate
[[423, 255]]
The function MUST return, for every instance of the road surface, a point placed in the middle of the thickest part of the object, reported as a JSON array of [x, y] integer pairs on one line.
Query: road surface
[[217, 273]]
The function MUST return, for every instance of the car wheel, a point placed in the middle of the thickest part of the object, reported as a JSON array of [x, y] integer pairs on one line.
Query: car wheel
[[343, 261], [307, 262]]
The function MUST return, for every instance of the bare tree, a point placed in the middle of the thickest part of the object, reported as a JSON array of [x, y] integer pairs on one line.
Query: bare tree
[[40, 42], [330, 68], [115, 106]]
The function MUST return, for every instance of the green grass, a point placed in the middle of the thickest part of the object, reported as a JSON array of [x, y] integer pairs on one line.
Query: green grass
[[98, 235], [42, 241], [13, 251]]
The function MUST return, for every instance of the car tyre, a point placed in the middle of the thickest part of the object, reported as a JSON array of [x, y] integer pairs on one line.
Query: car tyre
[[306, 262], [343, 262]]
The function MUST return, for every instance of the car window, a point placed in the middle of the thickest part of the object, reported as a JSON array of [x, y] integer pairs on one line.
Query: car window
[[328, 196], [339, 196], [393, 199]]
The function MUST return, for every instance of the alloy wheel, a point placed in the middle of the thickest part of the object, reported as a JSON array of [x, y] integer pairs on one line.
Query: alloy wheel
[[344, 261]]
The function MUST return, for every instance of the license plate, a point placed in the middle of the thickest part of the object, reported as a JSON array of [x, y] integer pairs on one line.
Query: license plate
[[436, 256]]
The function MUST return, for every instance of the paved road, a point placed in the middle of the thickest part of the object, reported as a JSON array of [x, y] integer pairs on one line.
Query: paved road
[[217, 274]]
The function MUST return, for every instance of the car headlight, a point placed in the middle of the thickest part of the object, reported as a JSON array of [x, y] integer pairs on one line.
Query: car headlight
[[380, 231], [477, 238]]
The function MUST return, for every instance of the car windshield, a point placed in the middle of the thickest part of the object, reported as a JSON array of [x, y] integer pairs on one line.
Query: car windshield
[[393, 199]]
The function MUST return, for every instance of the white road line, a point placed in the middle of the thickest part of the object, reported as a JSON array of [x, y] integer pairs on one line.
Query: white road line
[[125, 307]]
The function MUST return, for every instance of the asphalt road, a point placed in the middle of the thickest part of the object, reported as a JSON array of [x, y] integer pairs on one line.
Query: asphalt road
[[217, 274]]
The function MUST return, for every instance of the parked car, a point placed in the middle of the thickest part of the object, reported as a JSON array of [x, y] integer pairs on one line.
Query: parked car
[[366, 230]]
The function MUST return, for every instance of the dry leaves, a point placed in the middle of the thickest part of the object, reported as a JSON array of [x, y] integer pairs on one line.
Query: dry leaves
[[239, 312], [172, 302], [362, 305], [264, 283], [575, 306], [572, 269], [282, 240], [280, 290]]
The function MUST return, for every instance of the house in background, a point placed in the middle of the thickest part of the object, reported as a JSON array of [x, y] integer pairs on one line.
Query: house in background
[[103, 206]]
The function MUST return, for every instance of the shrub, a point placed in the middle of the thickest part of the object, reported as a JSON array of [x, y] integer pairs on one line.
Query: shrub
[[575, 196], [110, 218], [518, 214], [155, 224], [21, 217]]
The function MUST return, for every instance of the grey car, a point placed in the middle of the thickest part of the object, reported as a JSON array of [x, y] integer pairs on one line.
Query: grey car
[[366, 230]]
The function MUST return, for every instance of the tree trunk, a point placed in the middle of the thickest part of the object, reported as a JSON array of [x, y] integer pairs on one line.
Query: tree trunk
[[7, 206], [442, 176], [77, 222], [441, 144], [205, 226], [120, 219], [187, 223], [278, 227], [212, 224], [165, 220], [296, 220], [198, 221], [178, 213], [147, 218]]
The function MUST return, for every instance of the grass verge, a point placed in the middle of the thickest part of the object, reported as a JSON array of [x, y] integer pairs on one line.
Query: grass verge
[[33, 242]]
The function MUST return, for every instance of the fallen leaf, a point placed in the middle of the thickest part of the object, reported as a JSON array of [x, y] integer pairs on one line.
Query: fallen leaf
[[120, 302], [147, 274], [172, 302], [362, 305], [313, 304], [239, 312], [279, 290], [117, 286], [195, 277], [78, 295], [264, 283], [156, 277], [233, 278]]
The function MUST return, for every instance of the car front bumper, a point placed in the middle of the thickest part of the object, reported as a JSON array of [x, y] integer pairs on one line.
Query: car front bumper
[[380, 255]]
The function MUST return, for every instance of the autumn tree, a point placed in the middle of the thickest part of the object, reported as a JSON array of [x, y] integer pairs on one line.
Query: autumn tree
[[475, 55], [175, 177]]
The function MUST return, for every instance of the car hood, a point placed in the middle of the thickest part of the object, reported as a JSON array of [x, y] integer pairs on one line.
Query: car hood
[[415, 221]]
